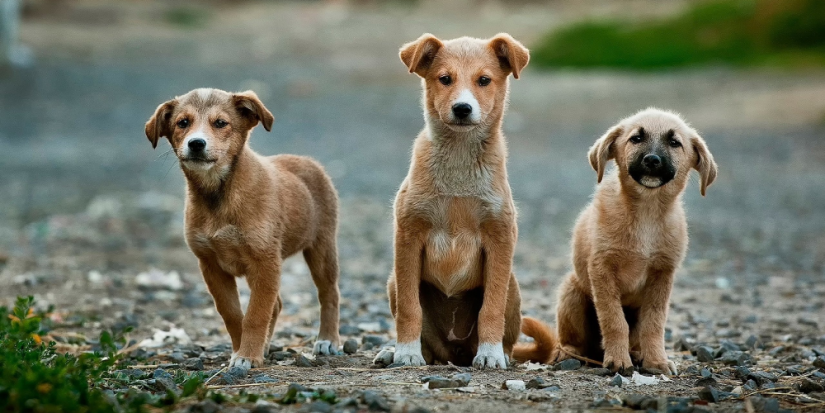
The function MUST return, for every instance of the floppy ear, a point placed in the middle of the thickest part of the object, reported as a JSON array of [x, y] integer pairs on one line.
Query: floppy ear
[[418, 55], [602, 150], [704, 162], [512, 55], [159, 125], [251, 107]]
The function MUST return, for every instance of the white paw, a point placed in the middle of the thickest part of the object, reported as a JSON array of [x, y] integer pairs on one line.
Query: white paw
[[490, 356], [238, 361], [409, 354], [672, 366], [324, 348]]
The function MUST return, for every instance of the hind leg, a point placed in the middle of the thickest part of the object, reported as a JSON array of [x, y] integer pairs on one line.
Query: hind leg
[[275, 312], [512, 317], [322, 259], [572, 320]]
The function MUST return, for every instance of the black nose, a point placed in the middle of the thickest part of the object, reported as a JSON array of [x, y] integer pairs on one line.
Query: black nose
[[462, 110], [197, 145], [652, 161]]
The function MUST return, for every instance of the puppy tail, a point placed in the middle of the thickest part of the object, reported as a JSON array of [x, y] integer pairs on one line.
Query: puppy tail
[[544, 342]]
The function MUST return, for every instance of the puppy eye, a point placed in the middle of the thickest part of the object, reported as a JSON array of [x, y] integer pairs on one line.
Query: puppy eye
[[445, 80], [484, 81], [637, 138], [183, 123], [675, 144], [220, 123]]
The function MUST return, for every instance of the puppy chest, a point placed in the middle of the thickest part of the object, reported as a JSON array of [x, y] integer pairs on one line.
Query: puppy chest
[[228, 245], [453, 260]]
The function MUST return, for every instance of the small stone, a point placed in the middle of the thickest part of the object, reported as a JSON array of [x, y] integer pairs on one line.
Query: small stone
[[641, 402], [705, 382], [462, 378], [569, 364], [741, 372], [302, 361], [193, 364], [316, 407], [536, 383], [177, 357], [736, 358], [351, 346], [819, 362], [374, 401], [206, 406], [705, 373], [761, 377], [750, 385], [165, 380], [262, 378], [616, 381], [810, 386], [764, 404], [347, 330], [753, 342], [384, 358], [279, 355], [776, 350], [709, 394], [599, 371], [704, 354], [376, 341], [807, 321], [514, 385]]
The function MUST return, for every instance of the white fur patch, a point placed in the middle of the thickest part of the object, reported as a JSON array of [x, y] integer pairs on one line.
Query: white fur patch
[[466, 96], [409, 354], [490, 356]]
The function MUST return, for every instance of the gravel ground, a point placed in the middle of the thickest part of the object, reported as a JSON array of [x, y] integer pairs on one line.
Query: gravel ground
[[91, 218]]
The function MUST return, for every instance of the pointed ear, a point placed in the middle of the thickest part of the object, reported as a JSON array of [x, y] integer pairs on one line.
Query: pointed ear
[[159, 125], [704, 162], [251, 107], [512, 55], [418, 55], [602, 151]]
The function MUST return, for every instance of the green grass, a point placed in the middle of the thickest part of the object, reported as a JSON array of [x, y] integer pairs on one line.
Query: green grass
[[731, 32]]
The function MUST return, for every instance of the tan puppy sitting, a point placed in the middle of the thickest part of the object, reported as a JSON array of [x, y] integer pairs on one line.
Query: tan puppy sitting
[[452, 292], [246, 213], [629, 241]]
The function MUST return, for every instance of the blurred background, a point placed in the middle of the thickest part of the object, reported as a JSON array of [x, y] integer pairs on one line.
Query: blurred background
[[91, 216]]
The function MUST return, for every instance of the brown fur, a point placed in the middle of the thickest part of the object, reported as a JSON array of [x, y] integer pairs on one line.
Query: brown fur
[[452, 286], [627, 244], [246, 213]]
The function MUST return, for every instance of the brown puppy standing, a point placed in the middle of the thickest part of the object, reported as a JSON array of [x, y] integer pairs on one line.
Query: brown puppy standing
[[245, 213], [629, 241], [452, 292]]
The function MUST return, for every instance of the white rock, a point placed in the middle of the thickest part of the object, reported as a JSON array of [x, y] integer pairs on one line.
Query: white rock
[[642, 380], [515, 385], [162, 338], [155, 278]]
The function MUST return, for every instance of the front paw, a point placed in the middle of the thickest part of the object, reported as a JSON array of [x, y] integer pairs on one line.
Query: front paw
[[665, 366], [490, 356], [618, 361], [409, 354], [325, 348], [245, 362]]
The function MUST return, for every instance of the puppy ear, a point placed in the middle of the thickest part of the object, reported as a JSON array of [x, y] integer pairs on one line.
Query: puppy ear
[[602, 150], [251, 107], [704, 162], [512, 55], [418, 55], [159, 125]]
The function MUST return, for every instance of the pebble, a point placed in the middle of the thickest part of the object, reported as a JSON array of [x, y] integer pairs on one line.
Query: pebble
[[376, 341], [374, 401], [539, 383], [165, 380], [193, 364], [438, 382], [810, 386], [206, 406], [315, 407], [641, 402], [709, 394], [351, 346], [705, 373], [704, 354], [761, 377], [753, 342], [776, 350], [736, 358], [819, 362], [302, 361], [514, 385], [764, 404], [233, 375], [598, 371], [616, 381], [741, 372], [279, 355], [705, 382], [569, 364], [347, 330], [384, 358], [263, 378]]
